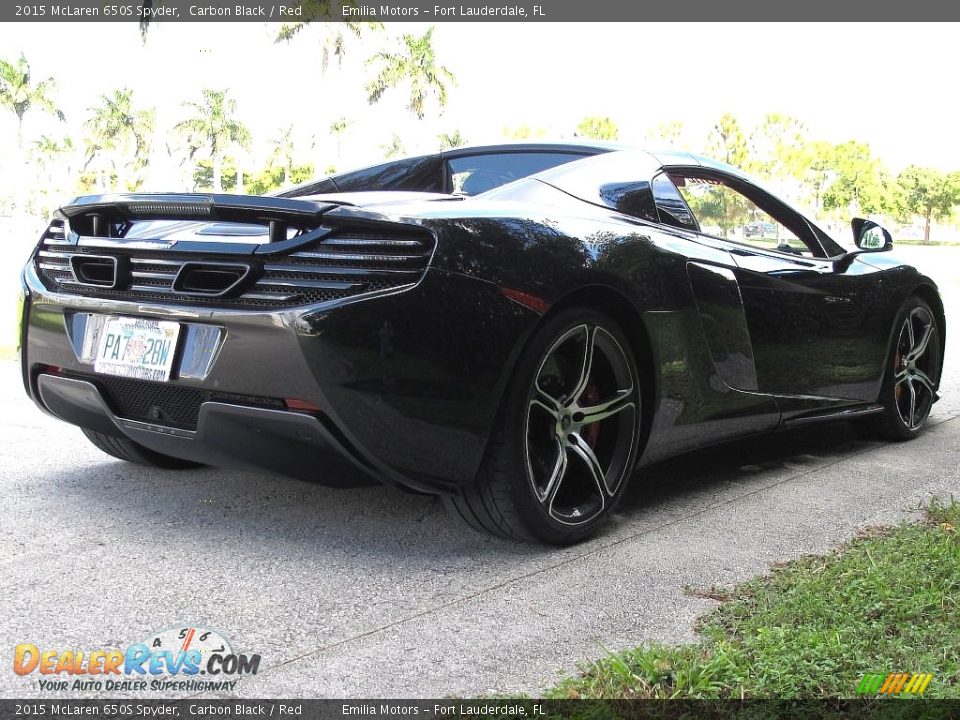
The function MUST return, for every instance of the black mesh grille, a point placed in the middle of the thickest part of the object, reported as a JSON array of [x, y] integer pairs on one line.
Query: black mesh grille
[[342, 265], [164, 403]]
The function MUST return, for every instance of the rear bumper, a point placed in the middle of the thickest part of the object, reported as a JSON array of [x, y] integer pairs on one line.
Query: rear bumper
[[402, 388], [236, 436]]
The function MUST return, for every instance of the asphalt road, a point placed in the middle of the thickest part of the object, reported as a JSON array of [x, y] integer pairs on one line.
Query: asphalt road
[[371, 592]]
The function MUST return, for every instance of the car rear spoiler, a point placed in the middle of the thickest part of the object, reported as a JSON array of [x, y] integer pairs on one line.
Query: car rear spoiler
[[92, 215]]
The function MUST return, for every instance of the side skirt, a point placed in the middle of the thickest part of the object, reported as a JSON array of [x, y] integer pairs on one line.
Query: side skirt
[[847, 413]]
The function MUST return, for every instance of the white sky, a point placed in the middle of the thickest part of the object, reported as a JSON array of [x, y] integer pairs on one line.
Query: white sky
[[890, 85]]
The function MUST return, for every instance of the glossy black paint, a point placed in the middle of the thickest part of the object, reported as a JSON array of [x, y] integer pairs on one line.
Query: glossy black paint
[[731, 339]]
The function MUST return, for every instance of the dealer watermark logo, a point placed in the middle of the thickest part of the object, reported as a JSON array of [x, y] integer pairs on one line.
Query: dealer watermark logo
[[188, 659], [895, 683]]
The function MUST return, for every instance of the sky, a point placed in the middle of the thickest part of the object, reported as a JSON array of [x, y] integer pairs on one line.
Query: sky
[[890, 85]]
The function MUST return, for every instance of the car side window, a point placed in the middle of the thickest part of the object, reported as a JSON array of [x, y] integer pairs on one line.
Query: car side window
[[727, 213], [474, 174], [671, 206]]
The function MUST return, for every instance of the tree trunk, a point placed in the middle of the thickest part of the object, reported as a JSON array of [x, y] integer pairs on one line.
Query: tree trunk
[[217, 163], [20, 195], [926, 230]]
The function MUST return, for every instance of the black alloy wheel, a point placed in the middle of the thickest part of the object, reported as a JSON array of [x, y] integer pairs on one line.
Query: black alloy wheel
[[913, 373], [567, 436]]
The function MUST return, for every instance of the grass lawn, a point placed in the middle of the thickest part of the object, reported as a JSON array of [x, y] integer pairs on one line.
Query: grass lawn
[[889, 601]]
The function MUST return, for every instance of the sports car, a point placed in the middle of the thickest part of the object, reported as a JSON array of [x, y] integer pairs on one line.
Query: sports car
[[520, 352]]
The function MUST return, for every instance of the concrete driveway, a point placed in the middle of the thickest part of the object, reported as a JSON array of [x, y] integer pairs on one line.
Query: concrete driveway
[[371, 592]]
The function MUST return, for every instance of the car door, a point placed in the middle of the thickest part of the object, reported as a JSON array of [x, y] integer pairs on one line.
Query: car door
[[809, 326]]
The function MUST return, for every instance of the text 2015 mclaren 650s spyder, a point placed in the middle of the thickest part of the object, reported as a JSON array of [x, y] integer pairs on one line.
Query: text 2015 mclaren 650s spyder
[[520, 351]]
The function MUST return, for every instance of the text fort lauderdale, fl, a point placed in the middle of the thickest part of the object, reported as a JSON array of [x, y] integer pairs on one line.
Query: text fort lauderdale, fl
[[477, 11]]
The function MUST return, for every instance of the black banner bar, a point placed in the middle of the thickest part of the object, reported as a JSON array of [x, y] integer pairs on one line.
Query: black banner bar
[[474, 11], [450, 709]]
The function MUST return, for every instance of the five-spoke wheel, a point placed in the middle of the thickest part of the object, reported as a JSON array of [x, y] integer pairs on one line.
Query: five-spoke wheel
[[567, 437], [580, 426], [913, 373], [914, 390]]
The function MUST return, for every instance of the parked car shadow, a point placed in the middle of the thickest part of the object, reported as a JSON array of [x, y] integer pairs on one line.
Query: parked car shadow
[[379, 522], [755, 460]]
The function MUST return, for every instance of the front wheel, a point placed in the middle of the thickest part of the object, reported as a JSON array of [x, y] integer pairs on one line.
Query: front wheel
[[912, 375], [567, 436]]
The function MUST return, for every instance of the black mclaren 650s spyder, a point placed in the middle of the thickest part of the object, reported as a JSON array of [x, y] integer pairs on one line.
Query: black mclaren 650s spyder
[[513, 328]]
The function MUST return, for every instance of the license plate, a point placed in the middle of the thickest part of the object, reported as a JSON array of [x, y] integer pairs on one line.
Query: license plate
[[137, 348]]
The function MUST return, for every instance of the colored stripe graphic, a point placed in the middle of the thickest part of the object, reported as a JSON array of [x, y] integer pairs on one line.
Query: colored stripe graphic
[[891, 678], [870, 683], [901, 682], [914, 683], [893, 683]]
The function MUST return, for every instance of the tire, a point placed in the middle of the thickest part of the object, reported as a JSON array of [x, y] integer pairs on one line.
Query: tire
[[912, 373], [566, 439], [128, 450]]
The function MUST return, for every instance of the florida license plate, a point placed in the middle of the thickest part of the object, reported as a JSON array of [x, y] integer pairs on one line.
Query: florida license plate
[[137, 348]]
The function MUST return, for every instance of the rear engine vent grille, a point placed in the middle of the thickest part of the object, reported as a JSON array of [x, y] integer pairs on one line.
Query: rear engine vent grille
[[56, 233], [343, 265]]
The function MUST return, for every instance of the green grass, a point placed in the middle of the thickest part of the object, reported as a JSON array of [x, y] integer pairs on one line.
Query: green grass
[[887, 601]]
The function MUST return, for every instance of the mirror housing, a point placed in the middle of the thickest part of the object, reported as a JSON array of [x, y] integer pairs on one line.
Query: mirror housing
[[870, 237]]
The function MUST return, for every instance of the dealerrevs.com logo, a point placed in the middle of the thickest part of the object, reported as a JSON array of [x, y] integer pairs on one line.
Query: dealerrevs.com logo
[[181, 659]]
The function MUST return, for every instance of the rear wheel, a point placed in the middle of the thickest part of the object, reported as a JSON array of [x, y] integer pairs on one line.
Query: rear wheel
[[913, 373], [566, 439], [126, 449]]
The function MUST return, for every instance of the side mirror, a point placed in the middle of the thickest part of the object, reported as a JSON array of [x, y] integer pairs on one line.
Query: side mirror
[[870, 237]]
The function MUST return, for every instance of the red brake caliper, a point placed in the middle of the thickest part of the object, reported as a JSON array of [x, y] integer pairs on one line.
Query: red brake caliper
[[591, 396]]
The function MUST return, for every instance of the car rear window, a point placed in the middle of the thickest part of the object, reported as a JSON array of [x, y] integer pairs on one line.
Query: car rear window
[[474, 174]]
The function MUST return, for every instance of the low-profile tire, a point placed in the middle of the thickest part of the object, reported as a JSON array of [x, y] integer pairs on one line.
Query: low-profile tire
[[912, 373], [566, 438], [126, 449]]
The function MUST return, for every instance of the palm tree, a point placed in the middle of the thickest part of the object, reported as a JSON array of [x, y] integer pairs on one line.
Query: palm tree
[[53, 160], [214, 128], [48, 152], [416, 64], [19, 96], [336, 30], [284, 150], [115, 129], [394, 148], [337, 128], [448, 141], [46, 147]]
